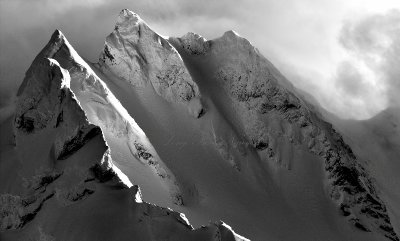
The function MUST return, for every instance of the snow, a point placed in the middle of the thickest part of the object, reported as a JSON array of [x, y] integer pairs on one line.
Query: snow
[[211, 183], [126, 139], [135, 53], [82, 189], [257, 156], [237, 236]]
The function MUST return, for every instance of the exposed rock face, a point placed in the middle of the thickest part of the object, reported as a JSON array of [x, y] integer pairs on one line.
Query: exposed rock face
[[138, 55], [273, 117], [192, 43], [16, 211]]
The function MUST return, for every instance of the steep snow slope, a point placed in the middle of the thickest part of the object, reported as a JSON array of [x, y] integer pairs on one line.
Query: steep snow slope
[[259, 149], [65, 185], [130, 148], [274, 120], [138, 55]]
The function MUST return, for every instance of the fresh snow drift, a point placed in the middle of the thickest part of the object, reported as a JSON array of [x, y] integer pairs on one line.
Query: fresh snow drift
[[209, 128]]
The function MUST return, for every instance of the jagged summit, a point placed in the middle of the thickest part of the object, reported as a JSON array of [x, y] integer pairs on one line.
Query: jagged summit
[[140, 56], [193, 43], [57, 36], [127, 18], [195, 36], [55, 40], [230, 38], [237, 50]]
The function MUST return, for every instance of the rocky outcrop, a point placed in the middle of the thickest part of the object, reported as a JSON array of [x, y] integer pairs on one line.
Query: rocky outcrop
[[273, 117], [138, 55], [16, 211], [192, 43]]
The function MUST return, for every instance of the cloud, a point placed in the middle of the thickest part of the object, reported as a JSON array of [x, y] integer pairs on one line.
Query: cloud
[[374, 41], [350, 81], [364, 77]]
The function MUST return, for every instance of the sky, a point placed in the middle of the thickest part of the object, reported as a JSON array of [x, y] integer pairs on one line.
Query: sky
[[346, 53]]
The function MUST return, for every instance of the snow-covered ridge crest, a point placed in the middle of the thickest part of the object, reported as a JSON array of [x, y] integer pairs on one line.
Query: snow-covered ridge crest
[[48, 102], [127, 19], [271, 113], [192, 43], [104, 110], [135, 53]]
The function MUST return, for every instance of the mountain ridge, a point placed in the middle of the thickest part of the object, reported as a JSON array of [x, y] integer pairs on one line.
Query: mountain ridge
[[246, 110], [342, 168], [46, 184]]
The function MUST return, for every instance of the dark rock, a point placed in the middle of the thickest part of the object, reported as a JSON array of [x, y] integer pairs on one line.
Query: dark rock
[[26, 124], [102, 174], [142, 152], [59, 118], [81, 138]]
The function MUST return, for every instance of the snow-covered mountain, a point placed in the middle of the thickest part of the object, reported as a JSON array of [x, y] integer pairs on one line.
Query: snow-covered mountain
[[208, 128]]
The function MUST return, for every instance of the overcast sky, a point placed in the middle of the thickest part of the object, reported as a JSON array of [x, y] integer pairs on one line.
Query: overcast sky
[[345, 53]]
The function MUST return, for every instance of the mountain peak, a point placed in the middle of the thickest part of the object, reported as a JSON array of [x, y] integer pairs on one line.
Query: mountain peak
[[231, 34], [233, 37], [127, 17], [138, 55], [192, 43], [57, 34], [57, 38]]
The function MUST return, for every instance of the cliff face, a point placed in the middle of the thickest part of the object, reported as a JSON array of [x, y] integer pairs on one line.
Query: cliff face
[[274, 119]]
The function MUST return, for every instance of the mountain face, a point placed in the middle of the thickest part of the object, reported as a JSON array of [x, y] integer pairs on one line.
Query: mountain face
[[209, 128], [273, 118], [74, 162], [138, 55]]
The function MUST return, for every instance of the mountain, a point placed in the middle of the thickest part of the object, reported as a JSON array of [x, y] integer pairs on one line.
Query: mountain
[[208, 128], [377, 140], [65, 168]]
